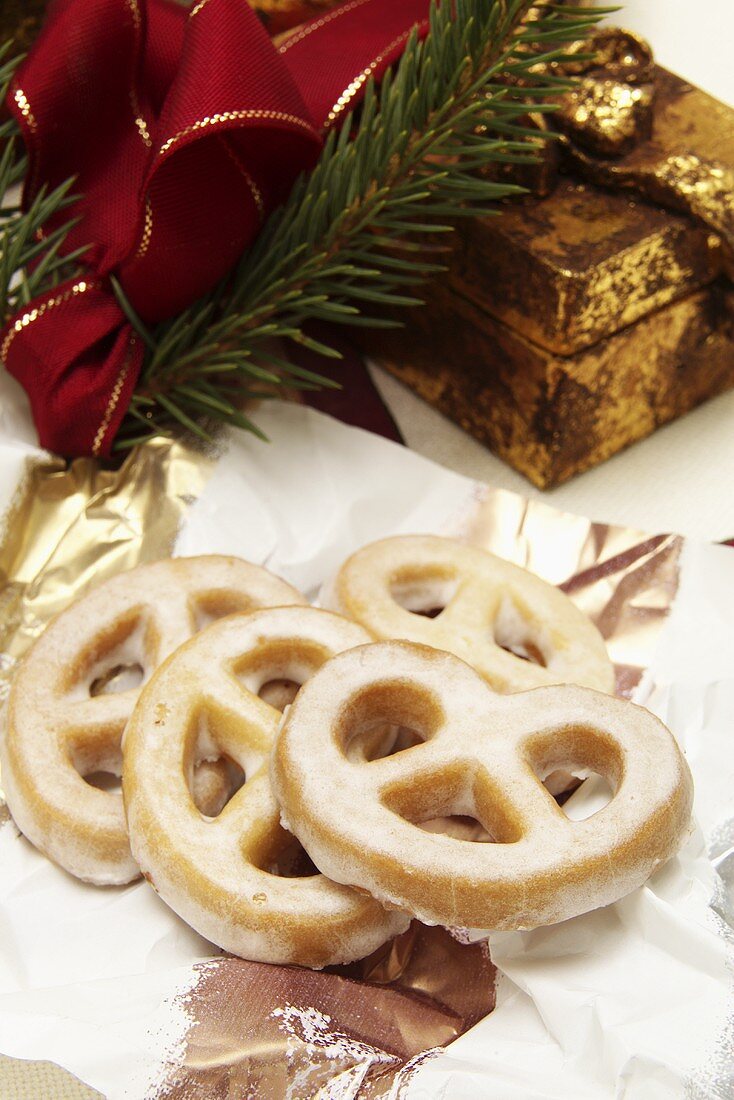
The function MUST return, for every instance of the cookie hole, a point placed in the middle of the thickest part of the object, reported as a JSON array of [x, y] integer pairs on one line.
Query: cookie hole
[[279, 693], [450, 813], [116, 679], [397, 741], [111, 661], [379, 741], [561, 784], [511, 632], [526, 651], [458, 826], [293, 861], [208, 607], [580, 766], [386, 718], [589, 794], [458, 801], [406, 738], [214, 784], [99, 764], [372, 741], [104, 781], [279, 668], [427, 596]]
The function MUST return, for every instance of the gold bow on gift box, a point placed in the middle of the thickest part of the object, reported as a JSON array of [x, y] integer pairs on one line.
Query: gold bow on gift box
[[606, 135], [597, 308]]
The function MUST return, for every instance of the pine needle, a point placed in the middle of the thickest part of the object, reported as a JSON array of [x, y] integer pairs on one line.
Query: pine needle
[[362, 228], [355, 236]]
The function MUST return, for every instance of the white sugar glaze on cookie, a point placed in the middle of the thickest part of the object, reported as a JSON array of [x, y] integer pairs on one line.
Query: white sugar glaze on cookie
[[480, 755], [218, 873], [59, 730], [515, 629]]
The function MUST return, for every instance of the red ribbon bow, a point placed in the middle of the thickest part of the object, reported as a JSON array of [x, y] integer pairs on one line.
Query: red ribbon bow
[[184, 130]]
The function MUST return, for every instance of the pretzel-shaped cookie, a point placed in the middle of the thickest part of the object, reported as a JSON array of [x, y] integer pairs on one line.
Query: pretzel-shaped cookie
[[483, 755], [218, 874], [491, 613], [59, 730]]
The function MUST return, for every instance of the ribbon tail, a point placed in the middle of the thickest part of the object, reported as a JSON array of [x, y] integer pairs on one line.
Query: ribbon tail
[[185, 130], [683, 183], [356, 400], [78, 360]]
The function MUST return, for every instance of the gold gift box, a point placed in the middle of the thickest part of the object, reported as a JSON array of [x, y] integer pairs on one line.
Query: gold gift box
[[578, 323]]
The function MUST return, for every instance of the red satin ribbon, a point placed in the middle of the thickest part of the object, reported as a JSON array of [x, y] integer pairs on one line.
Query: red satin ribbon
[[184, 129]]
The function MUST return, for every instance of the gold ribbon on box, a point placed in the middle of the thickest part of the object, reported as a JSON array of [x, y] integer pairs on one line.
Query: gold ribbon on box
[[606, 126]]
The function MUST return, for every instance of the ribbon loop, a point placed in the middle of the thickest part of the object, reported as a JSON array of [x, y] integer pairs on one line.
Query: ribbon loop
[[87, 385], [184, 130]]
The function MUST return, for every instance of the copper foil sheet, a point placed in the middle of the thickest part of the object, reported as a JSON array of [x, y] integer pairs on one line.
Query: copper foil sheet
[[624, 580], [271, 1032], [359, 1031]]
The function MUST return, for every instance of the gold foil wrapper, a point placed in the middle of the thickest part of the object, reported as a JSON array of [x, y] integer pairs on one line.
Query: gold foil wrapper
[[607, 121], [363, 1030], [73, 527]]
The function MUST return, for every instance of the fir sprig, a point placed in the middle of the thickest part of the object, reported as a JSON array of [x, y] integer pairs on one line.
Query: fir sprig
[[351, 244], [356, 236], [30, 258]]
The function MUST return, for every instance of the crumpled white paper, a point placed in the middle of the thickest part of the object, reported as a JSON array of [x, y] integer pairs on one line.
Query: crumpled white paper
[[18, 448], [633, 1001]]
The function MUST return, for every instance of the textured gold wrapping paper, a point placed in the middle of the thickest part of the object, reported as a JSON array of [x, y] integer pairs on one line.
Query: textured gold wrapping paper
[[582, 263], [368, 1026], [552, 416], [586, 317]]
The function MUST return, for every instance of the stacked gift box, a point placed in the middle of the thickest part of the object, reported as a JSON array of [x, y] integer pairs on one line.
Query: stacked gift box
[[583, 319]]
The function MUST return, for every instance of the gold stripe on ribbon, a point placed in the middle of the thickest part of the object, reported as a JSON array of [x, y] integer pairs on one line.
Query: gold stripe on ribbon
[[38, 311], [234, 116], [255, 191], [310, 28], [351, 90], [24, 107], [140, 124], [115, 396], [147, 229]]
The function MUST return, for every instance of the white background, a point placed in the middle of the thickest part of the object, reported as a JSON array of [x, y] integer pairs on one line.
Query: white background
[[693, 39]]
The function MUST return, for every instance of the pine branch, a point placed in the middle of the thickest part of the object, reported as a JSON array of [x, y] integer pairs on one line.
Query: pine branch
[[351, 241], [30, 260], [356, 236]]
